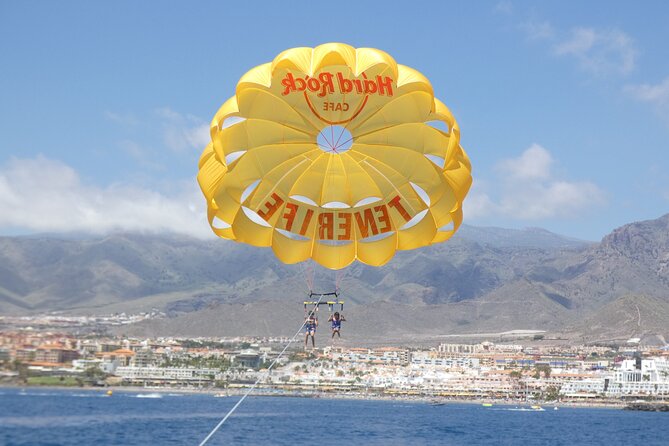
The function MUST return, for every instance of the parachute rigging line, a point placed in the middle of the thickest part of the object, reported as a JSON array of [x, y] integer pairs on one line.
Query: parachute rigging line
[[255, 384], [340, 277], [308, 273]]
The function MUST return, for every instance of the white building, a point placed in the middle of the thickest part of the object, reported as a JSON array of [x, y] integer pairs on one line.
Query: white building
[[586, 388], [459, 348], [166, 374], [81, 365], [633, 378], [386, 355], [483, 347], [425, 359]]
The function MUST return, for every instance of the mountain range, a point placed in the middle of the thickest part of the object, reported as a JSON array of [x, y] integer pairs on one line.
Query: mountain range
[[484, 280]]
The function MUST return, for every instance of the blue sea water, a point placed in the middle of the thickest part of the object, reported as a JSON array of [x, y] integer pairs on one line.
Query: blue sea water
[[87, 417]]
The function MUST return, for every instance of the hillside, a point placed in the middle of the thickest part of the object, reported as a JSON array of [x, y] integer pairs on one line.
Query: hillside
[[133, 271], [483, 280]]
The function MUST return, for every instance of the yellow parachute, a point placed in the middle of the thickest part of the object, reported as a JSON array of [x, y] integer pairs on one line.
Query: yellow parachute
[[332, 153]]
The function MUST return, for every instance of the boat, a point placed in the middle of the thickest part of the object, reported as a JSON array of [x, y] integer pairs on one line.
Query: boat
[[536, 407], [486, 404]]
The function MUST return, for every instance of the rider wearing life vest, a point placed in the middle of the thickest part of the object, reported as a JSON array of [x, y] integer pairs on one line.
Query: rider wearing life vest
[[336, 320], [310, 324]]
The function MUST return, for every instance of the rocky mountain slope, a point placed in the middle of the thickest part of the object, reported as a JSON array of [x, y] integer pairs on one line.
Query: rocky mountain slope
[[131, 271], [484, 279]]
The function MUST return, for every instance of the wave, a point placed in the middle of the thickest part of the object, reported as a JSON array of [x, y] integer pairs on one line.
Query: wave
[[149, 395]]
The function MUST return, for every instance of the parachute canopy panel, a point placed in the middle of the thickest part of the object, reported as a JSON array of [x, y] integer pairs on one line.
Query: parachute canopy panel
[[332, 153]]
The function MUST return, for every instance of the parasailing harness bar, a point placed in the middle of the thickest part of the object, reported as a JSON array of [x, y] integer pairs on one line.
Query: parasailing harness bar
[[330, 303], [334, 293]]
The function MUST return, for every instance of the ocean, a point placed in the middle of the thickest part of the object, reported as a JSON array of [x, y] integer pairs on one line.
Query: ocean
[[35, 416]]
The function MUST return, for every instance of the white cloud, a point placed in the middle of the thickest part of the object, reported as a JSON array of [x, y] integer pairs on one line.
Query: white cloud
[[538, 30], [527, 189], [534, 163], [478, 203], [45, 195], [183, 132], [504, 7], [657, 95], [124, 119], [654, 94], [599, 51], [553, 199], [143, 156]]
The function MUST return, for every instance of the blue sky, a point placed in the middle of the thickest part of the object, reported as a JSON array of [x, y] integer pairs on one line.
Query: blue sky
[[104, 106]]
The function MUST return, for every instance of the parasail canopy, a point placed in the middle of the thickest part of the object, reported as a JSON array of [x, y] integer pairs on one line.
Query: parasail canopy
[[336, 154]]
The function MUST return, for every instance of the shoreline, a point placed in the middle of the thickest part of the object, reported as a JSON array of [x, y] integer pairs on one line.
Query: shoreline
[[264, 392]]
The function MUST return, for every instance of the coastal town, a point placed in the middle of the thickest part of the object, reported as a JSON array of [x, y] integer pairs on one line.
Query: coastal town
[[46, 352]]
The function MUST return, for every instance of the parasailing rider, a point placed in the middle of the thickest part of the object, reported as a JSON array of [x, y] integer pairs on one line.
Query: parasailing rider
[[336, 320], [310, 324]]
